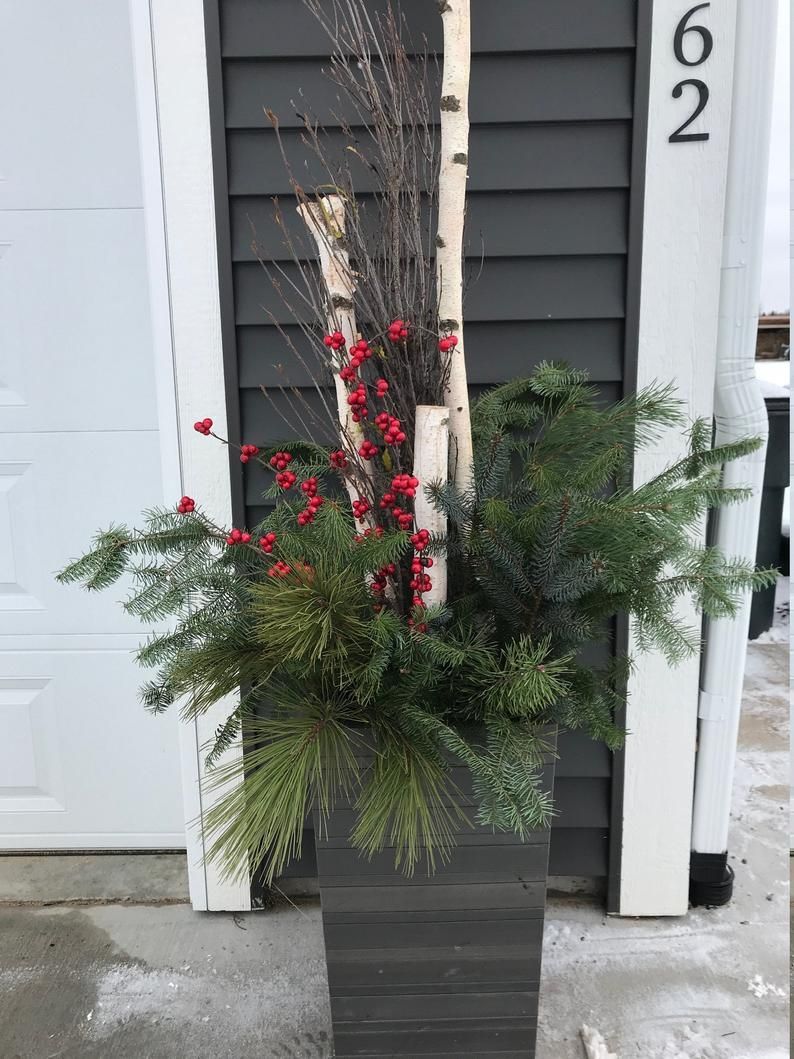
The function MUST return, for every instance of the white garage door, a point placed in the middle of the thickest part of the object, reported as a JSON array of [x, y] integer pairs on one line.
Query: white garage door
[[81, 763]]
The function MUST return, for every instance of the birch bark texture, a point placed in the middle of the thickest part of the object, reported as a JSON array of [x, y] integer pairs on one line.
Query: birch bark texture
[[325, 219], [453, 174], [431, 460]]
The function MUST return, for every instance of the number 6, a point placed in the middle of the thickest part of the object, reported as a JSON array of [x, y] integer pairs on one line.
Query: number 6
[[705, 35]]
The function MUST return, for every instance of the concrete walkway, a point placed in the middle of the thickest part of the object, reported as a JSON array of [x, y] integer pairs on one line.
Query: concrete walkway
[[142, 981]]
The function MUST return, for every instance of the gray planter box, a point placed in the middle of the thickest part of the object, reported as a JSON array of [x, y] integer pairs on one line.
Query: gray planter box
[[447, 965]]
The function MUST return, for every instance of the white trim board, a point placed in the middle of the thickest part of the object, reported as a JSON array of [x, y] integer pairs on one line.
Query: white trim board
[[679, 308], [171, 71]]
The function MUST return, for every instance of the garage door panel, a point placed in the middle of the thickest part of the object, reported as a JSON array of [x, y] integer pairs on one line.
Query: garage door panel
[[68, 138], [75, 329], [56, 491], [52, 705]]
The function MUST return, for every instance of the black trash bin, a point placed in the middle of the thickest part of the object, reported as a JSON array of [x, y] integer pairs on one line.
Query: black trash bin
[[770, 539]]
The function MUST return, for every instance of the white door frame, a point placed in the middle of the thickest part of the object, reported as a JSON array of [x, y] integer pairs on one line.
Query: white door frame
[[173, 120], [679, 310]]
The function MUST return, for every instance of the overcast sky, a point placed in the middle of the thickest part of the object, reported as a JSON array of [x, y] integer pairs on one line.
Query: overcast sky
[[775, 289]]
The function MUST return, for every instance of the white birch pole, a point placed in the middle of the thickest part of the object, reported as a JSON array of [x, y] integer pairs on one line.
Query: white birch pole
[[431, 463], [325, 219], [456, 18]]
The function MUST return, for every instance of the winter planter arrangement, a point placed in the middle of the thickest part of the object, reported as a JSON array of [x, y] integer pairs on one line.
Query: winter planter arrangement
[[406, 623]]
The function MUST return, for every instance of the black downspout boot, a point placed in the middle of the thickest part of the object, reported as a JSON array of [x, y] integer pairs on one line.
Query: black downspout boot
[[710, 880]]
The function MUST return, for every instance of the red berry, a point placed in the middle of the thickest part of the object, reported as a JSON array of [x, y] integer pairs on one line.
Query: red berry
[[382, 387], [280, 460], [247, 451], [348, 373], [309, 487], [338, 459], [397, 330], [361, 507], [203, 426], [237, 536], [266, 543], [368, 451], [186, 505], [420, 539], [285, 480], [335, 340]]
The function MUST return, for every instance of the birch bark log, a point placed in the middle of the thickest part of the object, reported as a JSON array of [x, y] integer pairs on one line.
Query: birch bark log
[[456, 18]]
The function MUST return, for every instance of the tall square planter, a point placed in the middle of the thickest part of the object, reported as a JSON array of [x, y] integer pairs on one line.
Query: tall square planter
[[442, 965]]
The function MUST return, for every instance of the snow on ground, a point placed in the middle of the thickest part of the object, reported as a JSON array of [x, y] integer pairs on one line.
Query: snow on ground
[[712, 984]]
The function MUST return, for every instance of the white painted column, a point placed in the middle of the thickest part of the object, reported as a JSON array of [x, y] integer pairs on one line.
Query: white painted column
[[680, 285], [177, 48]]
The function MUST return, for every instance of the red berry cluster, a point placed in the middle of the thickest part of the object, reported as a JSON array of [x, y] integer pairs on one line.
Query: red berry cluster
[[361, 507], [266, 543], [357, 400], [359, 353], [306, 516], [203, 426], [420, 539], [382, 387], [376, 532], [398, 330], [285, 479], [405, 485], [338, 459], [393, 433], [420, 581], [447, 343], [334, 341], [247, 451], [404, 519], [238, 537], [368, 450], [380, 578], [309, 487], [279, 569], [347, 373], [186, 505], [279, 461]]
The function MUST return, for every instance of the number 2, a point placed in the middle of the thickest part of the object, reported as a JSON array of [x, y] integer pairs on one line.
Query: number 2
[[707, 45], [679, 136]]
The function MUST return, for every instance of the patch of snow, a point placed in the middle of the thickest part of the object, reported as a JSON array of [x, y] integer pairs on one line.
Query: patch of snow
[[774, 376], [594, 1044], [759, 988], [777, 634], [693, 1045]]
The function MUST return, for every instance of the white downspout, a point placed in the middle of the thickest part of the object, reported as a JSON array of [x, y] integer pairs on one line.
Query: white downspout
[[740, 412]]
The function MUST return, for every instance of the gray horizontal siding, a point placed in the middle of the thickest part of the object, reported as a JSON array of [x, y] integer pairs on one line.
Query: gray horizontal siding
[[282, 28], [265, 358], [548, 213], [526, 288], [502, 158], [541, 223], [594, 86]]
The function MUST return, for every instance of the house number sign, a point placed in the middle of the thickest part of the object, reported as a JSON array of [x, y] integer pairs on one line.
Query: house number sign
[[706, 44]]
